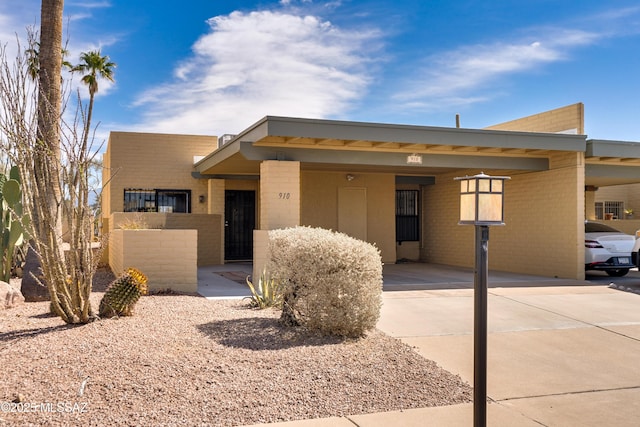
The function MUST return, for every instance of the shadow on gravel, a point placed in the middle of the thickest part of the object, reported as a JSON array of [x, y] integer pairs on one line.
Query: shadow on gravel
[[7, 337], [259, 333]]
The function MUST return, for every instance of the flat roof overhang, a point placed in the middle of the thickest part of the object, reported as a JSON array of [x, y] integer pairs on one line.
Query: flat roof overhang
[[611, 162], [357, 146]]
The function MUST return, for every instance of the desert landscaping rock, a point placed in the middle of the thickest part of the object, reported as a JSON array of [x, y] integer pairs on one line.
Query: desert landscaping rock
[[9, 296], [184, 360]]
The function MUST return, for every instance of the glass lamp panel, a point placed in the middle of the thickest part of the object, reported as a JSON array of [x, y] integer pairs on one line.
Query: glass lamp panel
[[496, 186], [490, 207], [467, 207], [484, 185], [472, 185], [463, 185]]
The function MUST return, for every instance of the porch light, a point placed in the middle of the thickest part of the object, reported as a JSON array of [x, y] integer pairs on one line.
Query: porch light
[[481, 199], [482, 205]]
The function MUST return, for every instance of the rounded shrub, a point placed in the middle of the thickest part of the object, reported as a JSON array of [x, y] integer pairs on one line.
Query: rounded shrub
[[332, 282]]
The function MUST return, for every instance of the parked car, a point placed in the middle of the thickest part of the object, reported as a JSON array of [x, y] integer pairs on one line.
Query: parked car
[[607, 249]]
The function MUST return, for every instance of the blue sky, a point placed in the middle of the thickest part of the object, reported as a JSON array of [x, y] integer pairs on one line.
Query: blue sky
[[215, 67]]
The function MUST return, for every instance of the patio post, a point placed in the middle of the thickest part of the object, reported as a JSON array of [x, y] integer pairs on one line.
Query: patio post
[[482, 205]]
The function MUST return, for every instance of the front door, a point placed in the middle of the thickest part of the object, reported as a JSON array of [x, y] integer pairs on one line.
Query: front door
[[239, 221]]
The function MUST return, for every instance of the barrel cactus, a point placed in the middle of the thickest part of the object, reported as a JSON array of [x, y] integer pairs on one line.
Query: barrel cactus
[[123, 293]]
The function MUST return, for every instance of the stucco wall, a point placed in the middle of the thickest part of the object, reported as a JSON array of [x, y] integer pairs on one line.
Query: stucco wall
[[319, 205], [167, 257], [209, 228], [544, 231]]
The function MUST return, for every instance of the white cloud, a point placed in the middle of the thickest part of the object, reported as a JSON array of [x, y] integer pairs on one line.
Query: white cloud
[[456, 78], [261, 63], [90, 4]]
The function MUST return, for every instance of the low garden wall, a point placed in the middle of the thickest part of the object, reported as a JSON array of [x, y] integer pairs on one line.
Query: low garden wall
[[169, 258], [209, 227]]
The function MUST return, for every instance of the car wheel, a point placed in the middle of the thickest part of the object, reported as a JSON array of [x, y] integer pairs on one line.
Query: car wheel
[[619, 272]]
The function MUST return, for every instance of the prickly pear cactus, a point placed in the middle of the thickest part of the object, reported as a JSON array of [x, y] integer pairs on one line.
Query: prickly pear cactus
[[12, 220], [123, 293]]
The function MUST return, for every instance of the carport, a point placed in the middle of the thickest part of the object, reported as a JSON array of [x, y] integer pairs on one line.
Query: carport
[[610, 164], [345, 176]]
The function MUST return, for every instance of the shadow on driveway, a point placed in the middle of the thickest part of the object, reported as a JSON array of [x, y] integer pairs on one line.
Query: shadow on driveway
[[419, 276]]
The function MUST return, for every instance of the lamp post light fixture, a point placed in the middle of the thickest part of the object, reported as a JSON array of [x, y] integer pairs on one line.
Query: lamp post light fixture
[[482, 205]]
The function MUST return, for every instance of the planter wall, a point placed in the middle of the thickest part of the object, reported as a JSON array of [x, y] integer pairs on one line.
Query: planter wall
[[169, 258]]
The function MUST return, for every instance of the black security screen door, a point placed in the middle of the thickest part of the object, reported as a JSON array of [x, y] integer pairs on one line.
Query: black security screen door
[[407, 216], [239, 221]]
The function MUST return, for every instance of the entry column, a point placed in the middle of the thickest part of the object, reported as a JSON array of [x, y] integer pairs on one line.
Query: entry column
[[216, 206], [279, 205]]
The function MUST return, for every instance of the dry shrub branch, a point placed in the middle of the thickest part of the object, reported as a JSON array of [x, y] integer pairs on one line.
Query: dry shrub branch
[[55, 184]]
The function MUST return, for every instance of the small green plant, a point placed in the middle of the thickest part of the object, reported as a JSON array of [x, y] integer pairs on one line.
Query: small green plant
[[123, 293], [268, 292]]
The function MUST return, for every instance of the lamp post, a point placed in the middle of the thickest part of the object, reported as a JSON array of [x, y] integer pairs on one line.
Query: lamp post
[[482, 205]]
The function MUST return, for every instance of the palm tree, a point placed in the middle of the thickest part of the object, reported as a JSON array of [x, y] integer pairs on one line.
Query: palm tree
[[95, 65], [33, 62], [45, 59]]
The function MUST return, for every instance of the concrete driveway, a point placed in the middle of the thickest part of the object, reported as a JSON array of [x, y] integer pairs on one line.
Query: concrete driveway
[[560, 352]]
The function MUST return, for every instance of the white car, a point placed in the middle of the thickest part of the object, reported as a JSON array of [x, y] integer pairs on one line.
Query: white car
[[607, 249]]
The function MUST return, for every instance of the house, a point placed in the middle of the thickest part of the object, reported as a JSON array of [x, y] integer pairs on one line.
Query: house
[[392, 185]]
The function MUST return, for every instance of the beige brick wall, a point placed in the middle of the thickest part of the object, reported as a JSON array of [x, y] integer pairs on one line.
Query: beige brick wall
[[279, 194], [167, 257], [153, 161], [216, 201], [562, 119], [539, 208], [629, 226], [260, 252], [209, 228], [590, 205]]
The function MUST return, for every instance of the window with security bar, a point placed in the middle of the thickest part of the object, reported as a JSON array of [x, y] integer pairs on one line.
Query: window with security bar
[[609, 210], [168, 201], [407, 215]]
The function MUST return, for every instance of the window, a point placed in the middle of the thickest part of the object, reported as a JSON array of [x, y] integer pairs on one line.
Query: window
[[407, 216], [178, 201], [615, 210]]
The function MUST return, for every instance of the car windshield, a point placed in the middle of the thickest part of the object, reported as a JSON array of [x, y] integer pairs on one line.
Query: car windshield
[[595, 227]]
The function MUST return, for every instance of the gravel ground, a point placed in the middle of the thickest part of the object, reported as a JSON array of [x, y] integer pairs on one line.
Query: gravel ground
[[184, 360]]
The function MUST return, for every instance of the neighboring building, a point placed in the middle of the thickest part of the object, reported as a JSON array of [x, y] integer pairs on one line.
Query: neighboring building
[[392, 185]]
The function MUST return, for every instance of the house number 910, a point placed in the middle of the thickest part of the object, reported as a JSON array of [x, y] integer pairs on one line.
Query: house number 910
[[284, 196]]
